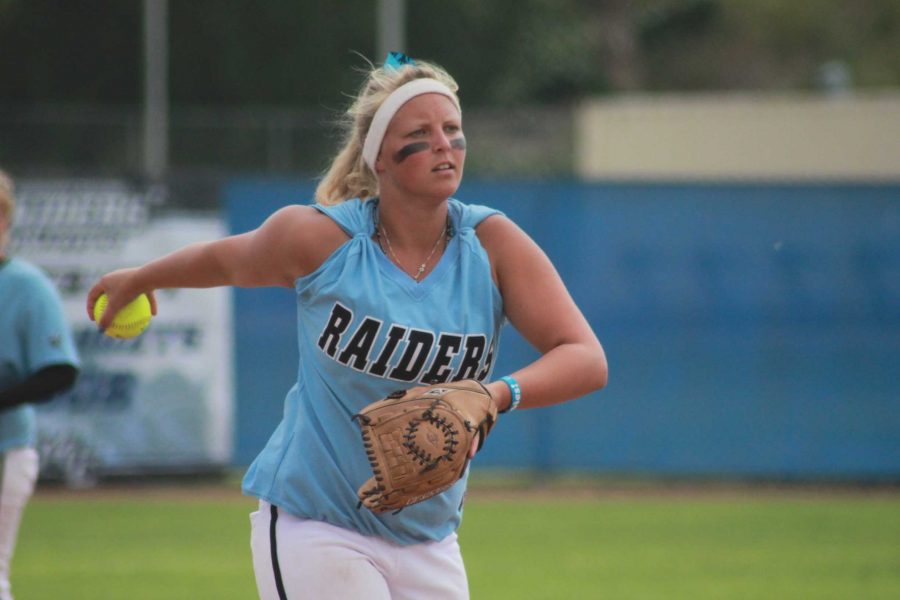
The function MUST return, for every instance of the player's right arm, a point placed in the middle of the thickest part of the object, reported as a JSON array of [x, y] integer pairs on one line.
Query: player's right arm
[[291, 243]]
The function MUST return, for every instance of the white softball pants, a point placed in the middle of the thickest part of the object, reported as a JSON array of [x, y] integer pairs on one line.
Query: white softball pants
[[298, 559], [18, 474]]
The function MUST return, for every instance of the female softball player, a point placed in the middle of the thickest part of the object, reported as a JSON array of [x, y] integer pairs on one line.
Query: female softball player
[[398, 285], [37, 361]]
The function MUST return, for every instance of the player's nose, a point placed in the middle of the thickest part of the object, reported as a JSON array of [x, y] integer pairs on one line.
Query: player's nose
[[440, 142]]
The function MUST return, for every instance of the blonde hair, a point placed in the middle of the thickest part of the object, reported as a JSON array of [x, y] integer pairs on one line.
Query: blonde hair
[[7, 200], [349, 176]]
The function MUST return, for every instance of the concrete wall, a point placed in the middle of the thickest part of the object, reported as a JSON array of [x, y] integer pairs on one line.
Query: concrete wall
[[741, 137]]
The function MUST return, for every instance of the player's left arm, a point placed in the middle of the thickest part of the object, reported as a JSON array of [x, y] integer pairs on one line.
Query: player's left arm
[[50, 349], [538, 305], [40, 387]]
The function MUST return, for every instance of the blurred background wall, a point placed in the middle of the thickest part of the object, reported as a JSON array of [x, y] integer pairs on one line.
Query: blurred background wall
[[758, 137], [717, 181]]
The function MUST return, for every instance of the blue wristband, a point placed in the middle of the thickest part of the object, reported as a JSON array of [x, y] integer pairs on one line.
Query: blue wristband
[[515, 390]]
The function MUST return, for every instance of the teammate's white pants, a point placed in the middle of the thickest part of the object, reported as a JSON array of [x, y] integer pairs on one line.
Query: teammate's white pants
[[318, 561], [18, 473]]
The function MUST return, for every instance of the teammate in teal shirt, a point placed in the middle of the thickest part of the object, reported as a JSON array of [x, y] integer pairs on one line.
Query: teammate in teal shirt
[[397, 285], [37, 361]]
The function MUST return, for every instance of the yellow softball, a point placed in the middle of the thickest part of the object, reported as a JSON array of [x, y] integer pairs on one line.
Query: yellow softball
[[128, 322]]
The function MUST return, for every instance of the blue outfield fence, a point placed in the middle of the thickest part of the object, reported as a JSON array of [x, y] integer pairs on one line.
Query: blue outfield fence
[[752, 330]]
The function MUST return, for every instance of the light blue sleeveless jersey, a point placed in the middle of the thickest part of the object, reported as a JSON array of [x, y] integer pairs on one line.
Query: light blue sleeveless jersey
[[365, 329], [33, 334]]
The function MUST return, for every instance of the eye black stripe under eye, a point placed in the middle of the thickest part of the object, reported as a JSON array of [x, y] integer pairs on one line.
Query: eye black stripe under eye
[[410, 149], [458, 143]]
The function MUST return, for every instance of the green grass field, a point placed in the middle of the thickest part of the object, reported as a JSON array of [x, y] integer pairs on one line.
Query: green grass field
[[556, 544]]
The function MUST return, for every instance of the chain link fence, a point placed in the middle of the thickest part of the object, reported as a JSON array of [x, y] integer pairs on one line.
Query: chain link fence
[[209, 145]]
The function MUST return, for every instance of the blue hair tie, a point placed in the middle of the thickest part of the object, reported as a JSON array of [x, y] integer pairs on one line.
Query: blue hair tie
[[395, 60]]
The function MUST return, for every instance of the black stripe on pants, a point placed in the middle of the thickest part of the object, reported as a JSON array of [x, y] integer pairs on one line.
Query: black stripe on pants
[[276, 569]]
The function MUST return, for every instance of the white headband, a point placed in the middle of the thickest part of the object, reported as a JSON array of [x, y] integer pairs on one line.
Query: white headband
[[391, 105]]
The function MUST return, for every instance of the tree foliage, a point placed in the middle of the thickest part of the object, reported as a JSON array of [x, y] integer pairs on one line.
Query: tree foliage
[[289, 53]]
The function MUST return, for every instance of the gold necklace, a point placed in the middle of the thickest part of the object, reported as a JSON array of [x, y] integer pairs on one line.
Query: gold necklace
[[379, 229]]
